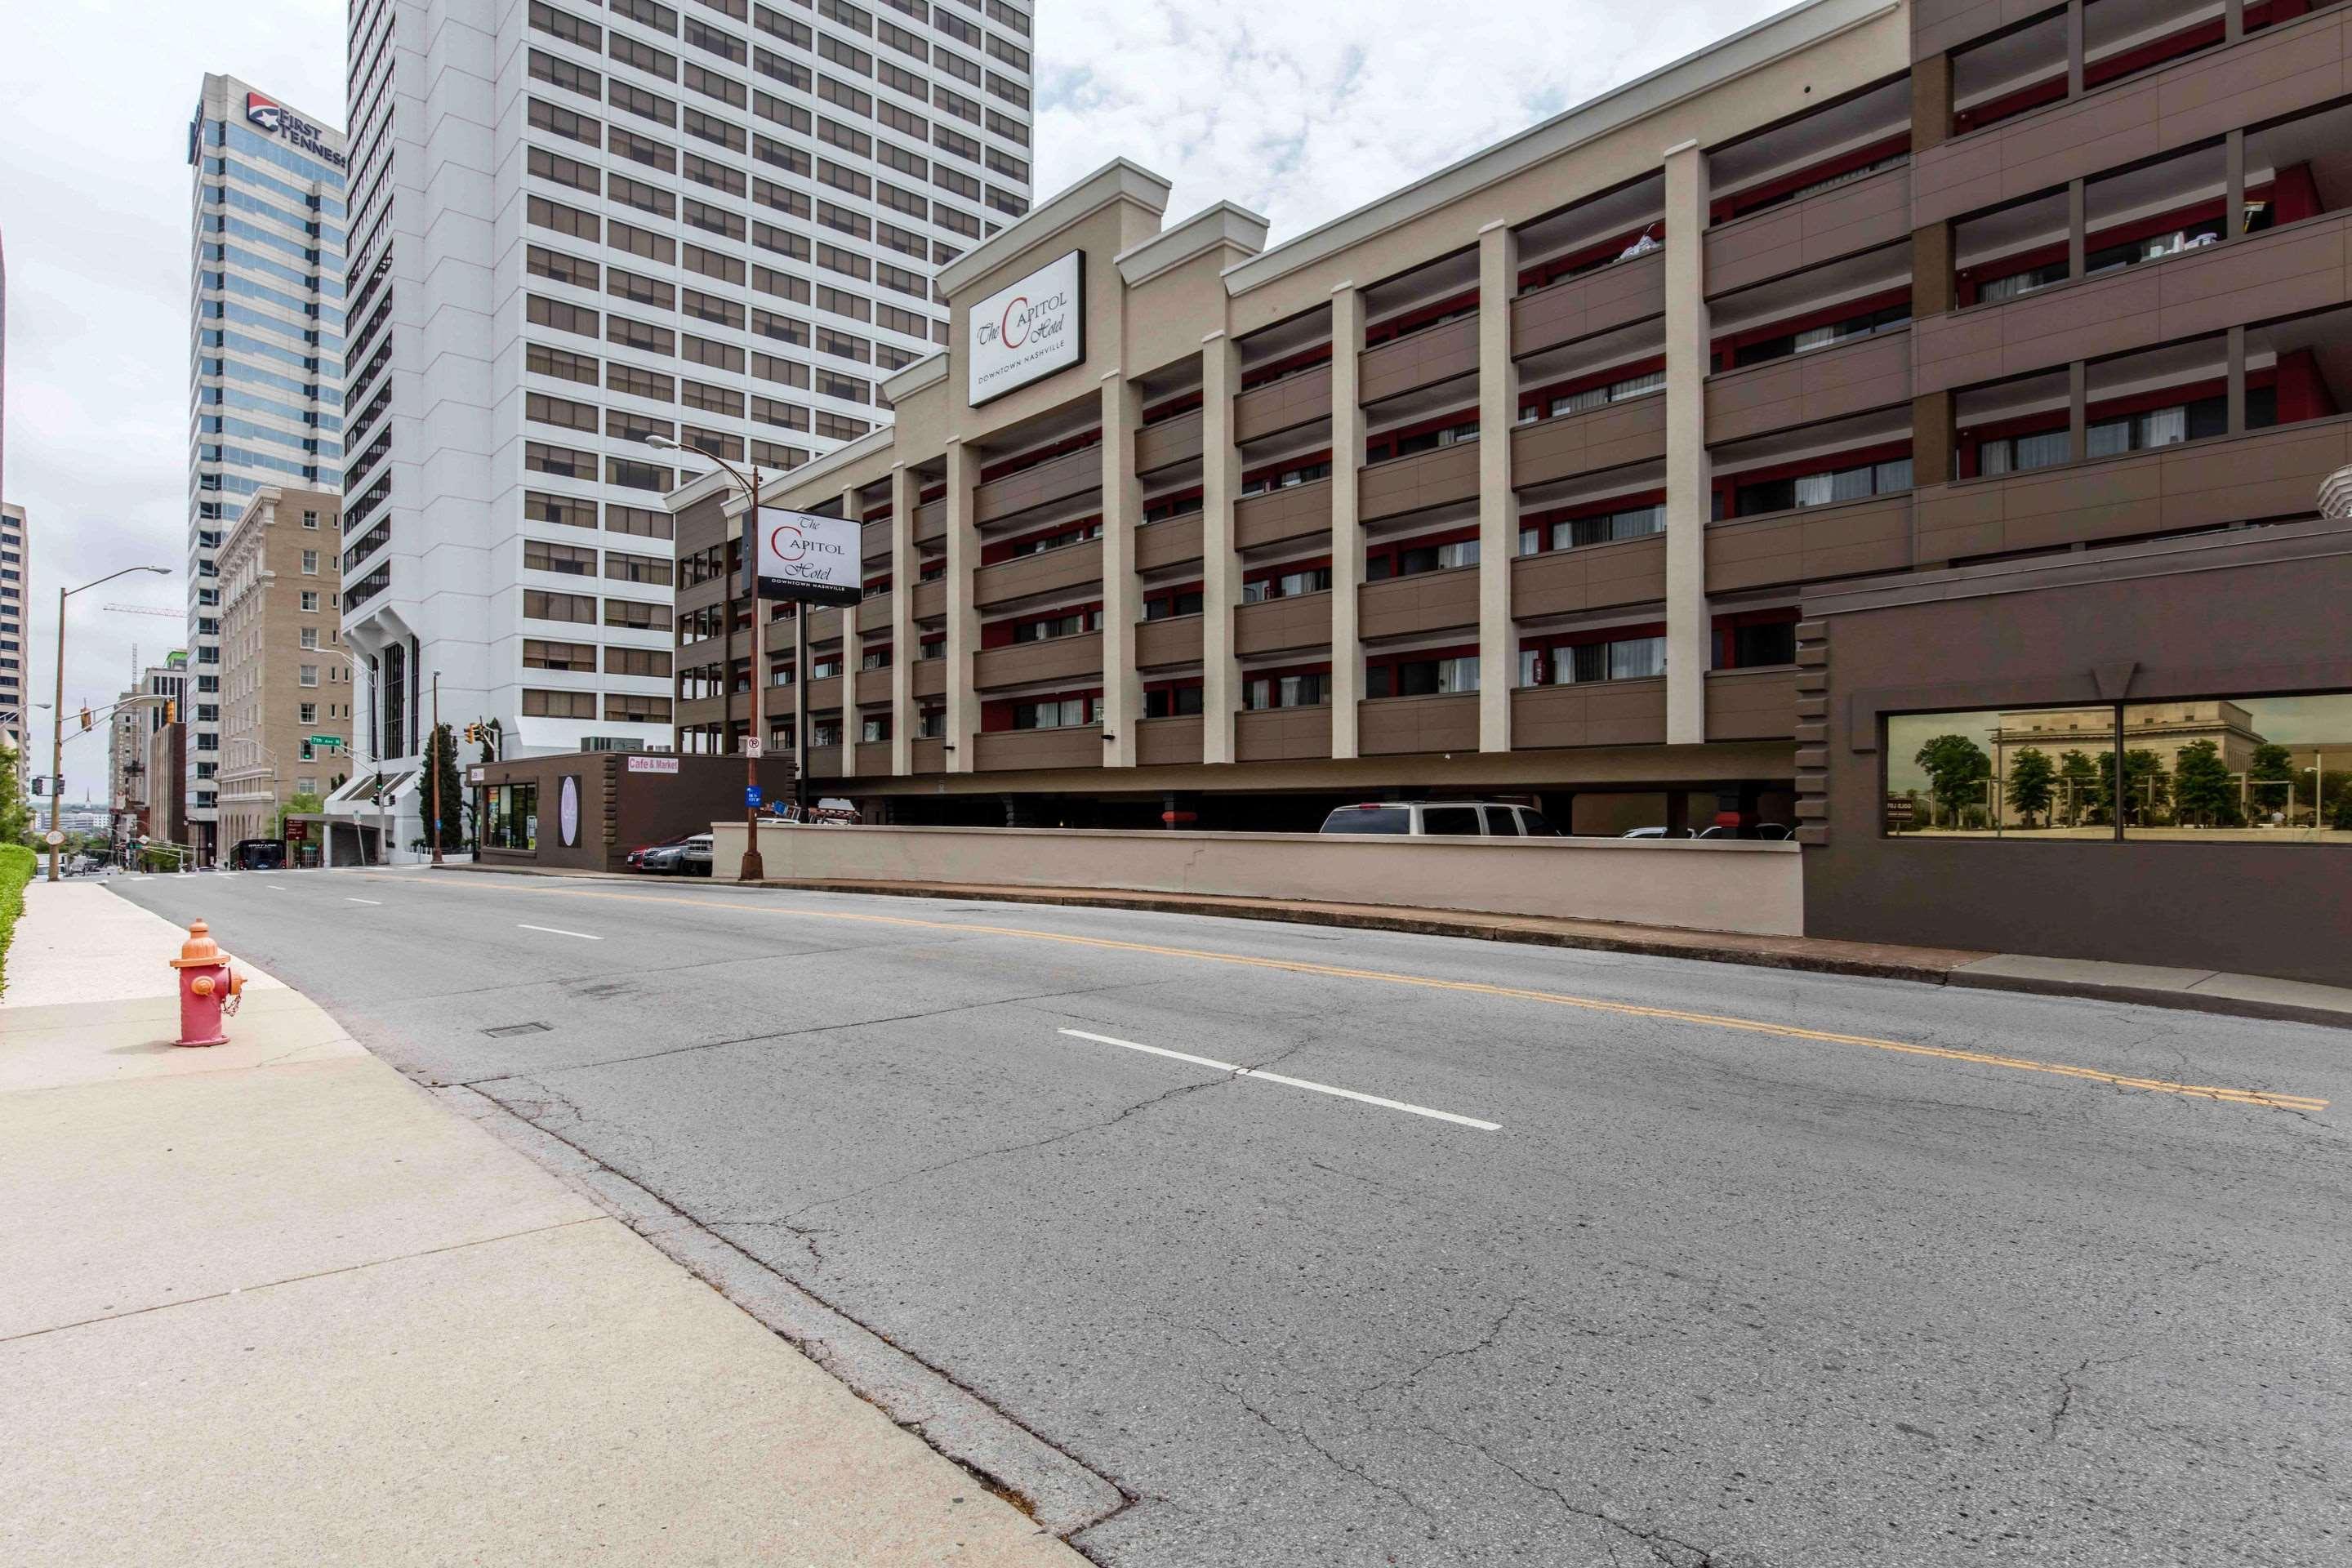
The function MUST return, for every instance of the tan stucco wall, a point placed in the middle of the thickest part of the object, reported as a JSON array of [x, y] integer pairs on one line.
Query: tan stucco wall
[[1729, 886]]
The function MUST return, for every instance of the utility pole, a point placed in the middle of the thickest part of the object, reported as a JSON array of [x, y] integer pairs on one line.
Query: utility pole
[[441, 751]]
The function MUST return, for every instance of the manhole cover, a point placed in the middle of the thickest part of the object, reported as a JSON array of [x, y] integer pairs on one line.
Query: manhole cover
[[505, 1029]]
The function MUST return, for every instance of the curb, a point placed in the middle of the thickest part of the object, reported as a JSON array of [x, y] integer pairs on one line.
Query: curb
[[1594, 942]]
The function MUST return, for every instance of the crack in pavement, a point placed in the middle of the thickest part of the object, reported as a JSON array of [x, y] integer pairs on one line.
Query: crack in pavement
[[1300, 1434], [1661, 1547], [1485, 1341], [2067, 1390]]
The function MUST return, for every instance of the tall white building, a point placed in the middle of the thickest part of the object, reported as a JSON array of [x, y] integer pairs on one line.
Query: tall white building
[[576, 227], [266, 365]]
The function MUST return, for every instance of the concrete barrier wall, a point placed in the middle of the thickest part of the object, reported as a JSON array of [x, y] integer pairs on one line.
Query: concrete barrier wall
[[1704, 884]]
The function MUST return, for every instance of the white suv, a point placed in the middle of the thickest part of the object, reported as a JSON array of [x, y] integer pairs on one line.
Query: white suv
[[1442, 819]]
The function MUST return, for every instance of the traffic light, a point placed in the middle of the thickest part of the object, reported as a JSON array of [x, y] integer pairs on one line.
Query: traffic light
[[473, 734], [171, 711], [85, 718]]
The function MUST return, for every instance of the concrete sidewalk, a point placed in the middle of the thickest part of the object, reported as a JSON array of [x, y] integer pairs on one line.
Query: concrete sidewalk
[[270, 1303]]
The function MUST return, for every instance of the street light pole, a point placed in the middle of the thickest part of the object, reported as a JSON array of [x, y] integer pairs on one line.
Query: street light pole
[[753, 869], [58, 712], [435, 748]]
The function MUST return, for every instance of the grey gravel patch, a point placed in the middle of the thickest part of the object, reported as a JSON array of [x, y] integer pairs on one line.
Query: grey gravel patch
[[1061, 1494]]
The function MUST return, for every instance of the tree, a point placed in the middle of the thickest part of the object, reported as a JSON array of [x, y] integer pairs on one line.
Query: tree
[[302, 802], [1955, 766], [2270, 777], [2032, 784], [2341, 819], [2143, 793], [2081, 772], [441, 762], [2203, 789]]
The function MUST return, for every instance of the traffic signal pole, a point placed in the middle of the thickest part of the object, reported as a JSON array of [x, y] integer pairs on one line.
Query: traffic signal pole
[[442, 752]]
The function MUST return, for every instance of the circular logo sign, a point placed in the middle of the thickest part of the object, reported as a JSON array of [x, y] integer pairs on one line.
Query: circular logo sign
[[53, 836], [567, 810]]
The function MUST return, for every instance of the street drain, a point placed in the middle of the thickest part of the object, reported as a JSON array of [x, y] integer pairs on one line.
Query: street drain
[[505, 1029]]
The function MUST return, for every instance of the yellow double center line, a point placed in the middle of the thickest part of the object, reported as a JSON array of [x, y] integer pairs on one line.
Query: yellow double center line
[[1550, 998]]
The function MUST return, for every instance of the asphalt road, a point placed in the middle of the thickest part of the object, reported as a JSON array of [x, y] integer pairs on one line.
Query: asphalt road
[[1719, 1287]]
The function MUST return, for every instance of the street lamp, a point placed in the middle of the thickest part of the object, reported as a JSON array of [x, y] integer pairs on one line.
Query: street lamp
[[57, 728], [753, 869]]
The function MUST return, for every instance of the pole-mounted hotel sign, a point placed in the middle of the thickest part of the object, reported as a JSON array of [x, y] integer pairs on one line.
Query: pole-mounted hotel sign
[[801, 556], [1029, 330]]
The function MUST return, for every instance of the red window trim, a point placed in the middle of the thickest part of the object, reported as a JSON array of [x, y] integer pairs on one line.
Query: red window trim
[[1268, 573], [2115, 68], [1544, 274], [1389, 328], [1172, 591], [1583, 509], [1379, 448], [1538, 397], [1289, 364], [1189, 492], [1422, 656], [1039, 455], [1182, 404], [996, 715], [1391, 548], [1746, 199], [1272, 470], [1730, 343], [1722, 628], [1727, 486], [998, 632], [996, 550]]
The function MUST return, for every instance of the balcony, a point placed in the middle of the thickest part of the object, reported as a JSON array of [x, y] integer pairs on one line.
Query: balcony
[[1426, 602], [2195, 484], [928, 756], [1277, 517], [2293, 65], [1751, 704], [1613, 296], [1172, 542], [1822, 227], [1589, 713], [1050, 570], [1808, 388], [1282, 625], [1809, 545], [1283, 404], [1166, 643], [825, 762], [931, 600], [823, 696], [876, 538], [824, 626], [1418, 359], [931, 521], [1589, 577], [873, 687], [1402, 486], [1282, 734], [1403, 726], [873, 758], [1059, 478], [1168, 443], [1022, 664], [2283, 271], [874, 612], [1575, 444], [1168, 743], [930, 678], [1009, 751]]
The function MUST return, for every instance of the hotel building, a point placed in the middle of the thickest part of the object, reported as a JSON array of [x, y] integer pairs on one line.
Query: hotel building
[[1658, 464]]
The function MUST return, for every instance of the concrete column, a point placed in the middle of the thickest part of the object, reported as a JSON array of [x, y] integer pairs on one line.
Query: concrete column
[[1689, 472], [1221, 568], [2078, 424], [1931, 102], [1498, 507], [2078, 225], [2237, 382], [2233, 205], [1347, 533], [2233, 20], [905, 494], [1122, 413], [2074, 48], [964, 620], [853, 645]]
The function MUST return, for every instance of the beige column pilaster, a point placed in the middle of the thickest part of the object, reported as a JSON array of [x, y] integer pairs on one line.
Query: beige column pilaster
[[1689, 473], [1221, 567], [853, 645], [964, 620], [1347, 533], [905, 494], [1122, 502], [1498, 507]]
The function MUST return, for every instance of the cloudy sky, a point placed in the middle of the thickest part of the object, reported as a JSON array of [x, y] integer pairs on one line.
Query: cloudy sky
[[1299, 110]]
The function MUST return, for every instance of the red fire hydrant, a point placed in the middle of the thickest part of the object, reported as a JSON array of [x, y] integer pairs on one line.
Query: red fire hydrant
[[209, 989]]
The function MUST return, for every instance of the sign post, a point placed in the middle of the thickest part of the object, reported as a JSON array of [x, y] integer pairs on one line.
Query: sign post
[[804, 559]]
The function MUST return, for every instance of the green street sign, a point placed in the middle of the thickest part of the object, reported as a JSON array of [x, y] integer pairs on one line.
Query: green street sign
[[333, 742]]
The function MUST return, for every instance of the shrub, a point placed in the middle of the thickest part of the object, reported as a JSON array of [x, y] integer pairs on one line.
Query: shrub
[[16, 863]]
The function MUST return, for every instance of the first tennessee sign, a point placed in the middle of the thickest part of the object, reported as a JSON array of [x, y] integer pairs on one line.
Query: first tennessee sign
[[801, 556], [1029, 330], [278, 121]]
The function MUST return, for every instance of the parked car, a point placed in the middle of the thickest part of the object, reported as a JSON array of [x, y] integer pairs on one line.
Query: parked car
[[1655, 833], [688, 856], [694, 859], [635, 860], [1442, 819]]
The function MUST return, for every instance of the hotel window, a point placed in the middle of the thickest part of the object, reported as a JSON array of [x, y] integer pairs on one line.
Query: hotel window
[[307, 713], [874, 727], [538, 555], [309, 563], [1422, 677], [540, 704], [310, 638], [309, 519], [539, 604], [1286, 583], [1295, 688], [1558, 662], [1822, 489], [1603, 528], [1056, 713], [2016, 454], [570, 656], [311, 601], [1172, 702], [636, 661], [308, 675]]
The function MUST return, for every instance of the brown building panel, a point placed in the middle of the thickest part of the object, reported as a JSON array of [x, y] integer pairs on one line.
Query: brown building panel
[[1283, 625], [1279, 516], [2272, 473], [875, 541], [825, 762], [1394, 726], [1751, 704], [1419, 359], [823, 696], [1171, 542], [1283, 404], [873, 758], [1404, 485], [1061, 658], [931, 521], [1072, 566], [1940, 24], [874, 613], [930, 678], [2303, 266], [1817, 542], [1168, 443], [873, 687], [1807, 389], [1627, 291], [1560, 582], [1282, 734], [1426, 602], [1057, 479], [1006, 751], [1167, 742], [1587, 442], [1822, 227], [930, 756], [931, 600], [1161, 644], [1598, 713]]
